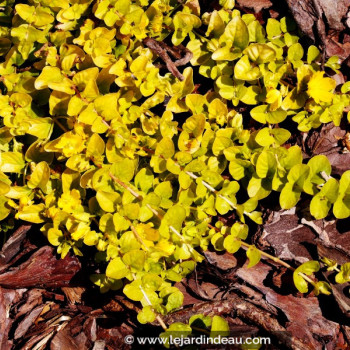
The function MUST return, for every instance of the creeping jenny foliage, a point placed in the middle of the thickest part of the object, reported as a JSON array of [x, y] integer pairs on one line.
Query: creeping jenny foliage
[[105, 148]]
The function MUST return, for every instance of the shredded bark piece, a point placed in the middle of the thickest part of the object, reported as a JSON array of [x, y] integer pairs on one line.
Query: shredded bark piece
[[42, 269], [245, 311]]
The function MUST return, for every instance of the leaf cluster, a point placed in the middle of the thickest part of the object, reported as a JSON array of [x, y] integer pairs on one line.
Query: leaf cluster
[[85, 152]]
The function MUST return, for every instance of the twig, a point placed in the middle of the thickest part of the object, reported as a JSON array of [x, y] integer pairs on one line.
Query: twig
[[175, 52], [162, 53], [60, 125]]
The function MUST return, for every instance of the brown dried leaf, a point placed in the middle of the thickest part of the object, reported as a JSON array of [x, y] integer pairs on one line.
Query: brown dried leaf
[[287, 237], [256, 5]]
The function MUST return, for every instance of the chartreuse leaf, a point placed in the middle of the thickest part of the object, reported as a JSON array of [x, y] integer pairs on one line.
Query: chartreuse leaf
[[308, 269], [237, 31], [259, 113], [40, 176], [333, 63], [55, 236], [183, 24], [108, 201], [11, 162], [4, 186], [227, 4], [123, 170], [120, 223], [78, 162], [273, 28], [297, 175], [239, 168], [222, 206], [239, 230], [266, 164], [291, 192], [255, 216], [294, 100], [294, 156], [133, 290], [345, 87], [16, 192], [52, 77], [174, 301], [319, 207], [220, 144], [231, 244], [320, 168], [211, 177], [216, 25], [39, 16], [331, 264], [32, 213], [165, 148], [25, 36], [146, 315], [195, 166], [321, 203], [260, 53], [219, 326], [164, 189], [105, 283], [245, 71], [322, 287], [151, 281], [225, 87], [134, 259], [249, 95], [254, 256], [117, 269], [341, 207], [175, 216], [266, 136], [277, 116], [344, 275], [287, 24], [313, 53], [259, 188], [320, 88], [4, 208], [200, 321], [295, 52], [95, 147], [41, 128], [226, 53], [144, 180], [176, 329], [91, 238], [262, 115]]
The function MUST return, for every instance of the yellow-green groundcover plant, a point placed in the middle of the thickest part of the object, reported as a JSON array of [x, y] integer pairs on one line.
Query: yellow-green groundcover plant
[[104, 147]]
